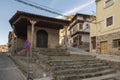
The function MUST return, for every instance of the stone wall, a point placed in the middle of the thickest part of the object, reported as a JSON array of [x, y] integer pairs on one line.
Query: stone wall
[[53, 36], [115, 65], [11, 46], [109, 38], [86, 38], [20, 44]]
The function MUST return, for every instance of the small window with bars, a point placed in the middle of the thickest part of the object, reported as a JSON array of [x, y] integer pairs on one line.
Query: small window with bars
[[80, 26], [109, 21], [116, 43], [108, 3]]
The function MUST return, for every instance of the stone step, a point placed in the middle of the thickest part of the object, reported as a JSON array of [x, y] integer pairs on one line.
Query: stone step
[[112, 76], [73, 60], [65, 66], [80, 70], [63, 57], [42, 52], [81, 55], [72, 63], [53, 53], [85, 61], [69, 58], [77, 66], [22, 52], [48, 50], [39, 56], [80, 76]]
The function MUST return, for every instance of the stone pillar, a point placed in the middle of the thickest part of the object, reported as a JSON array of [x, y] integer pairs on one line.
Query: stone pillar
[[32, 35], [32, 32], [30, 73]]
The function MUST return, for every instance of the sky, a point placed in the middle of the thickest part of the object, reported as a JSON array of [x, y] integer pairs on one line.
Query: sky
[[66, 7]]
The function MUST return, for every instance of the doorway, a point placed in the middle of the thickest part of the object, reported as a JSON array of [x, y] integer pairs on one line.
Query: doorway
[[42, 39], [104, 47]]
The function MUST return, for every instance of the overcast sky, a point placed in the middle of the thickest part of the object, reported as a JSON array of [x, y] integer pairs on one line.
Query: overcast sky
[[67, 7]]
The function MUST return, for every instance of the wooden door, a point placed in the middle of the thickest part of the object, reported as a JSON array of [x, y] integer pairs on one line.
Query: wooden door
[[104, 47], [93, 39], [80, 41], [42, 39]]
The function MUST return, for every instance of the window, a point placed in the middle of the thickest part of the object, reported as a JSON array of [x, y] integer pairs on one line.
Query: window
[[116, 43], [119, 43], [80, 26], [93, 41], [70, 41], [75, 28], [71, 31], [80, 39], [87, 27], [108, 3], [109, 21], [75, 39]]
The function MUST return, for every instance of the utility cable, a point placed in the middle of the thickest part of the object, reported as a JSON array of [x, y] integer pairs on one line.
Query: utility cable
[[41, 8], [44, 6]]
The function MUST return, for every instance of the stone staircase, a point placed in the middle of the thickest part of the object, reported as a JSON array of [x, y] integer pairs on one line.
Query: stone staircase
[[51, 52], [65, 66]]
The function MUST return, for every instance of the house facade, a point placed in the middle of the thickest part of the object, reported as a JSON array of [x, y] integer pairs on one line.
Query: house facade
[[11, 42], [105, 36], [79, 30], [3, 48], [62, 37], [65, 33], [41, 31]]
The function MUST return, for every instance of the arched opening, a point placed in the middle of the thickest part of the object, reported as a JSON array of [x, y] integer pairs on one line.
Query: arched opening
[[42, 39]]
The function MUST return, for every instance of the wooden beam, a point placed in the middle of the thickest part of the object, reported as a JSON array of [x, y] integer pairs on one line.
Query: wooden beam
[[44, 20], [17, 20]]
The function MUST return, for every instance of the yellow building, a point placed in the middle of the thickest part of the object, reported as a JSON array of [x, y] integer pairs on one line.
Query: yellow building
[[62, 32], [3, 48], [62, 35], [105, 35]]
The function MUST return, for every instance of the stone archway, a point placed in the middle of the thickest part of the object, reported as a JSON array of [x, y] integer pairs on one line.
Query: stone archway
[[42, 39]]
